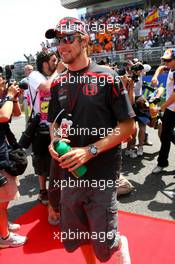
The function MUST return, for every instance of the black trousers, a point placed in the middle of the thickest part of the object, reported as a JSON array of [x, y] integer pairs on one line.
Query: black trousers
[[167, 136]]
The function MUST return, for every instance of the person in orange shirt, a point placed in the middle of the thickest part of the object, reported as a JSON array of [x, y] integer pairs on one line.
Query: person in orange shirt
[[108, 46]]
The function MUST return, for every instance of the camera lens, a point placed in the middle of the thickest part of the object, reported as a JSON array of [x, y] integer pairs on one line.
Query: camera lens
[[3, 180], [23, 85]]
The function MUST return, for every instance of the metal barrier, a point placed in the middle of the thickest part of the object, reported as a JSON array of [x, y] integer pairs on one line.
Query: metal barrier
[[151, 56]]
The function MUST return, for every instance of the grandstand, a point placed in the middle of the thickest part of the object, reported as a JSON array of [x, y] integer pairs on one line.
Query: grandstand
[[100, 5], [112, 3], [147, 28]]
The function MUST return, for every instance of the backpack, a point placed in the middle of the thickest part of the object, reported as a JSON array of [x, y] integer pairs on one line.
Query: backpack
[[17, 157]]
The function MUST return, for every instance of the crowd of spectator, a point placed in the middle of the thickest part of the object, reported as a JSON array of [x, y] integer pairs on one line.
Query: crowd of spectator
[[119, 29]]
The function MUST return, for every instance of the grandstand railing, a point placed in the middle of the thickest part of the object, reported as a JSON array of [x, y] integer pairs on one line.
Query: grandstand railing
[[151, 56]]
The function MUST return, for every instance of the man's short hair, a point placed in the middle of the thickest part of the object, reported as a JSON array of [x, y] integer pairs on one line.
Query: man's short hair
[[43, 56], [28, 67]]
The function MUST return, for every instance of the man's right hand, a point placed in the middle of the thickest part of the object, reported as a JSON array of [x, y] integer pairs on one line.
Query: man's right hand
[[52, 151], [60, 67]]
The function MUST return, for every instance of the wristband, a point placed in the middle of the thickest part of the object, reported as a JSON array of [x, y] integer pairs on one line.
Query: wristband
[[8, 98]]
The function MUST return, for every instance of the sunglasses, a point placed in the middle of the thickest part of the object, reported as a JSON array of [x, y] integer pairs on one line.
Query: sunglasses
[[68, 39]]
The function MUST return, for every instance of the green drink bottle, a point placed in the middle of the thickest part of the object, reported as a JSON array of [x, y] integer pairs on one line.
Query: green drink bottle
[[62, 148]]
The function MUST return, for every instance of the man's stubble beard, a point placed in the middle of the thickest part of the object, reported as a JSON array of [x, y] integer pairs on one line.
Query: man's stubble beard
[[51, 71], [71, 60]]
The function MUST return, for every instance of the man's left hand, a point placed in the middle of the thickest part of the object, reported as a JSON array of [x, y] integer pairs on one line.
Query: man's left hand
[[74, 158]]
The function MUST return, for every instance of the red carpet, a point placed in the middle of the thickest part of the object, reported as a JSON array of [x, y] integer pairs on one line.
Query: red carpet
[[151, 241]]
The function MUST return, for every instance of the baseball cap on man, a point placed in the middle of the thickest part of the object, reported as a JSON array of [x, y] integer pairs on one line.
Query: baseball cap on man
[[169, 54], [68, 26]]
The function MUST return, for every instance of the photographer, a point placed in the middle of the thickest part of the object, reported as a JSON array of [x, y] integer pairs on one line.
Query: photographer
[[125, 75], [8, 188], [138, 70], [39, 93]]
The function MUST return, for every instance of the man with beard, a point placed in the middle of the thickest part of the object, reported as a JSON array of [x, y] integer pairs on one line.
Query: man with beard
[[93, 99]]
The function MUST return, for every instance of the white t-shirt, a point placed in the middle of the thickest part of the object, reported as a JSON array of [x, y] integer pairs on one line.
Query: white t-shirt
[[170, 87], [42, 99]]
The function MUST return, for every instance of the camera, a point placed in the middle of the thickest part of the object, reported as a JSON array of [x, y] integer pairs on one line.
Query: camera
[[27, 135], [3, 180], [135, 69], [23, 84]]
